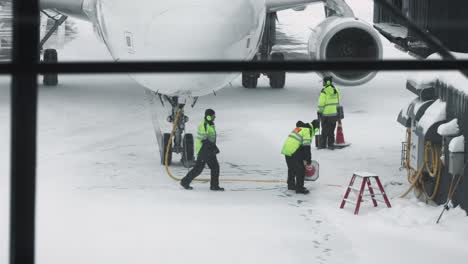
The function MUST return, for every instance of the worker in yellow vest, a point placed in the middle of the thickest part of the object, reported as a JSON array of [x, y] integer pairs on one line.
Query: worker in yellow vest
[[206, 150], [296, 150], [328, 104]]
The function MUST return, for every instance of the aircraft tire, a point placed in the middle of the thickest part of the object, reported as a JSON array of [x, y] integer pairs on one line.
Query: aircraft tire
[[188, 156], [50, 56], [166, 142], [277, 79], [249, 80]]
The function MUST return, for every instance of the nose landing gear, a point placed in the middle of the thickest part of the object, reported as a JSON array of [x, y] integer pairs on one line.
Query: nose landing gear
[[180, 143]]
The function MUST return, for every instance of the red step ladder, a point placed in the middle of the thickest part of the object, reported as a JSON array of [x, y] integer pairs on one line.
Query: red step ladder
[[366, 180]]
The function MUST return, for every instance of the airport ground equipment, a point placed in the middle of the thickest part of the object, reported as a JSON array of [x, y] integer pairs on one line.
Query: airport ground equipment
[[442, 19], [422, 28], [430, 158]]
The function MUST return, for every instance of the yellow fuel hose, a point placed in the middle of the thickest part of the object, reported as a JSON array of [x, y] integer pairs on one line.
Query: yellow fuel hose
[[166, 162], [415, 176], [436, 170]]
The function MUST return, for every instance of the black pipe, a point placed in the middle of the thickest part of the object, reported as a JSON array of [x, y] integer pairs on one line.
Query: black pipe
[[23, 131]]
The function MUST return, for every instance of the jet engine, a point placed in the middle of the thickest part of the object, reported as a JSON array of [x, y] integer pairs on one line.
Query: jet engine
[[345, 38]]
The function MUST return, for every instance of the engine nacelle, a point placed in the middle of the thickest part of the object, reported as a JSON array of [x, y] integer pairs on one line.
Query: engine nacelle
[[345, 38]]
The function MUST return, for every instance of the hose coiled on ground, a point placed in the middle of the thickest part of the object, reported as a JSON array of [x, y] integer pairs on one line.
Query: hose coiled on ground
[[432, 164]]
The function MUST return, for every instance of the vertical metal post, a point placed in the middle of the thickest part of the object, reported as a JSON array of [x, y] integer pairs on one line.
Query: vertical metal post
[[23, 131]]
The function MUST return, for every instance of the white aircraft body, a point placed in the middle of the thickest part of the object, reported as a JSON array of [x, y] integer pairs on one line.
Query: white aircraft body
[[197, 30]]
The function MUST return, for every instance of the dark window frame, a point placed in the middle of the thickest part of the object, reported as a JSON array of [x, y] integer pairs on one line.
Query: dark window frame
[[25, 67]]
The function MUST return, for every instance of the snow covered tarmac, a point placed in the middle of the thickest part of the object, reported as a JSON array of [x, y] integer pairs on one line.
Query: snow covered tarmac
[[104, 198]]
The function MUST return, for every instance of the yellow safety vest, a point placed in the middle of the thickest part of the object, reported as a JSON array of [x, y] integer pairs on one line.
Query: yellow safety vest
[[205, 131], [300, 136], [329, 100]]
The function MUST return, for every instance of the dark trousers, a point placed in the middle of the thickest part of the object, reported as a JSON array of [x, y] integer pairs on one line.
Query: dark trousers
[[212, 163], [296, 172], [328, 131]]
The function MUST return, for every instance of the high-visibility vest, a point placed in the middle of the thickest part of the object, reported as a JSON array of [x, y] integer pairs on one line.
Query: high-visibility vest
[[329, 101], [205, 131], [300, 136]]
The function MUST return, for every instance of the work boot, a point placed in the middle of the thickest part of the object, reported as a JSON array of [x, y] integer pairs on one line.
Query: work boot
[[185, 185], [216, 188], [322, 146], [331, 147], [302, 190], [291, 187]]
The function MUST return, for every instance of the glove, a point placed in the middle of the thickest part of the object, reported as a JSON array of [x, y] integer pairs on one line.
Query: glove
[[308, 162], [215, 149], [210, 146], [316, 124]]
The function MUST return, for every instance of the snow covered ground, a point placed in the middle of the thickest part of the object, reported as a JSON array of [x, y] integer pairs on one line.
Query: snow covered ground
[[104, 198]]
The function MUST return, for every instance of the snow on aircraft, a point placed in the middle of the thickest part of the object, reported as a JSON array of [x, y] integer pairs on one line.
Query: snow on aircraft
[[214, 30]]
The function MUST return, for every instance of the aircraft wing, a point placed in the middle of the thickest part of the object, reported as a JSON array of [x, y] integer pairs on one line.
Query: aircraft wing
[[277, 5], [82, 9]]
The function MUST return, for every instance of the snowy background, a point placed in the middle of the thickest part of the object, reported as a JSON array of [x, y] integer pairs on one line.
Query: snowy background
[[103, 197]]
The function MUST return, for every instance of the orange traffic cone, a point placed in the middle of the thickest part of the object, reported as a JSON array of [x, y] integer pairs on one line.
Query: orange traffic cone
[[340, 142], [339, 135]]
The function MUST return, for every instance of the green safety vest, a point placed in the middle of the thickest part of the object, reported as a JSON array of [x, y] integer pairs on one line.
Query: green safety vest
[[300, 136], [205, 131], [329, 101]]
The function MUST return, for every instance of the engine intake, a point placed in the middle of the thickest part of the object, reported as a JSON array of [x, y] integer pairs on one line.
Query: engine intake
[[338, 38]]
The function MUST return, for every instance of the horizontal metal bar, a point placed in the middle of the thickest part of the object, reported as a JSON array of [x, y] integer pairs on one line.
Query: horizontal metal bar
[[232, 66], [350, 201]]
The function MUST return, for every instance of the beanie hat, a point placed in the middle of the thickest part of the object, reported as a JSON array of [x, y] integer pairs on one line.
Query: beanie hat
[[209, 113]]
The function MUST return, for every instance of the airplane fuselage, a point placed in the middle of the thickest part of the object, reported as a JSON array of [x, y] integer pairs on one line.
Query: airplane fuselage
[[183, 30]]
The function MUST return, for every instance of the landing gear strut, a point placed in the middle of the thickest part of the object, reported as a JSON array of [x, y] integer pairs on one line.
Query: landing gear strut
[[277, 79], [182, 143], [51, 55]]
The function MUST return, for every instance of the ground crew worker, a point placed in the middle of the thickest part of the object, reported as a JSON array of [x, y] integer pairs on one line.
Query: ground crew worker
[[328, 103], [206, 150], [296, 150]]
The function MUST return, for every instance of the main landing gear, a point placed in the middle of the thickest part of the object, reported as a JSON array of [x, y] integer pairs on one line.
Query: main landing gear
[[51, 55], [277, 79], [181, 143]]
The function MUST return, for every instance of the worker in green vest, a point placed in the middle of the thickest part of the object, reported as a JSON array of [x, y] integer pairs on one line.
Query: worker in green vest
[[206, 150], [329, 101], [296, 150]]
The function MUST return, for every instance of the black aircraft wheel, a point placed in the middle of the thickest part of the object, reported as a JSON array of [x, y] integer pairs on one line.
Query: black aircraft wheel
[[277, 79], [249, 80], [188, 156], [166, 142], [50, 56]]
